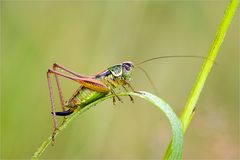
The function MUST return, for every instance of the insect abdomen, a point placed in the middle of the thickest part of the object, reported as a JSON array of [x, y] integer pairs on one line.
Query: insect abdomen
[[83, 97], [86, 96]]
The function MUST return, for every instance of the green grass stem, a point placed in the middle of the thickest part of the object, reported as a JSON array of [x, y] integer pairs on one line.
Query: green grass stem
[[189, 109], [187, 114]]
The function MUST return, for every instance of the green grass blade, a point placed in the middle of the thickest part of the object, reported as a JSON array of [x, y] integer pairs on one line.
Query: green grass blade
[[175, 151], [187, 114]]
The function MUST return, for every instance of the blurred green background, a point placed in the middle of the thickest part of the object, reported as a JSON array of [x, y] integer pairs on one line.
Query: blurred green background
[[88, 36]]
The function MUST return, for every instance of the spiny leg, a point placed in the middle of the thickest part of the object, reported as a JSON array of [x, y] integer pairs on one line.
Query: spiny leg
[[114, 100], [132, 88], [131, 98], [55, 65], [111, 84], [91, 83], [99, 86], [113, 92], [59, 88], [52, 99], [53, 106]]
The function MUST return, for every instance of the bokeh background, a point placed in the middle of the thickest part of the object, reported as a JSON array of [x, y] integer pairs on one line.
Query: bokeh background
[[88, 36]]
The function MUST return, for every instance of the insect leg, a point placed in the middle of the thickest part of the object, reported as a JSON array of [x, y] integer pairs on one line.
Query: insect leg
[[113, 92], [55, 65], [52, 99], [59, 88], [131, 98], [53, 106], [55, 68], [114, 100], [90, 83], [130, 86], [111, 83]]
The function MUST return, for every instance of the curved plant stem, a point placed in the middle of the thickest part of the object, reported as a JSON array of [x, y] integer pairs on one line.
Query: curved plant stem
[[177, 135], [187, 114]]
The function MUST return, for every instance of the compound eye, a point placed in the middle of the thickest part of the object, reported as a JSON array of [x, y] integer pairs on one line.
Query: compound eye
[[127, 67]]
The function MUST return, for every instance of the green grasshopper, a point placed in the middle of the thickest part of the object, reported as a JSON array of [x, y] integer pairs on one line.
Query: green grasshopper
[[94, 87]]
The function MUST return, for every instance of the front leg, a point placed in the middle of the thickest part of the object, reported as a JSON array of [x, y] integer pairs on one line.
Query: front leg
[[131, 98], [132, 88], [111, 84], [115, 95], [114, 100]]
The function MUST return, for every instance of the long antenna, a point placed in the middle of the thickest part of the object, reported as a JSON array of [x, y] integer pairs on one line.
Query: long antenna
[[150, 80], [160, 57], [182, 56]]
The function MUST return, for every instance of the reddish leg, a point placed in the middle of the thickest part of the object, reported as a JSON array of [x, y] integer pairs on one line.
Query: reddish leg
[[63, 75], [98, 85], [55, 65], [53, 106], [59, 90], [52, 98], [92, 83]]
